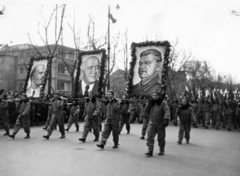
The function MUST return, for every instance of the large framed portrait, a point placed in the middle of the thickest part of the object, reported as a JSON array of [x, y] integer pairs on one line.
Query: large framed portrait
[[148, 68], [90, 73], [36, 77]]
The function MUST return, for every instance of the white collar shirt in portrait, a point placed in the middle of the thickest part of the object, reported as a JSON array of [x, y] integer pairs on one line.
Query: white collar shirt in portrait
[[36, 93]]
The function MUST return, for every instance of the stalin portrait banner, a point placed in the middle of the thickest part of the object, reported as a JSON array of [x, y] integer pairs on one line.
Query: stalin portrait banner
[[148, 68]]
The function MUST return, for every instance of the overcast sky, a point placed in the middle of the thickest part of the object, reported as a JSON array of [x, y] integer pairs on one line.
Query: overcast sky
[[206, 28]]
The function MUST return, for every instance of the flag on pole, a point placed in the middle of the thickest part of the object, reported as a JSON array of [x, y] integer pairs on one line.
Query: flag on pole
[[111, 17]]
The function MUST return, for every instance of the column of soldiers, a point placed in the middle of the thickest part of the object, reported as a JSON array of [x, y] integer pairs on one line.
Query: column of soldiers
[[155, 113]]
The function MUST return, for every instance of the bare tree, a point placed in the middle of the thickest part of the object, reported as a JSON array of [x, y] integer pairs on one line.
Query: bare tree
[[201, 72], [50, 50], [177, 65]]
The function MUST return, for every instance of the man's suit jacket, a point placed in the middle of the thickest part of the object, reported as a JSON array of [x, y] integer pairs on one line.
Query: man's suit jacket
[[95, 88], [148, 88]]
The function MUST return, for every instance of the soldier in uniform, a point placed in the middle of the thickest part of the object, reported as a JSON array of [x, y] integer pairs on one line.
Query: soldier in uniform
[[173, 107], [4, 113], [112, 121], [206, 110], [57, 117], [74, 116], [227, 115], [124, 115], [159, 116], [237, 115], [91, 114], [23, 118], [186, 116], [216, 110]]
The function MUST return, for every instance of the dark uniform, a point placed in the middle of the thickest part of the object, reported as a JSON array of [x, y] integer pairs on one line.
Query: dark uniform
[[186, 117], [4, 115], [206, 110], [145, 123], [227, 117], [23, 119], [159, 116], [91, 114], [148, 88], [74, 117], [124, 116], [111, 124], [216, 110], [57, 117]]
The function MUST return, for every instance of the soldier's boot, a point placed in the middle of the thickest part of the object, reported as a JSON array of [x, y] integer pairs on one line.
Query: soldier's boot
[[115, 145], [7, 133], [96, 139], [149, 153], [82, 139], [128, 132], [46, 137], [179, 142], [67, 129], [63, 135], [100, 146], [77, 128], [161, 152], [142, 137], [187, 141], [27, 136], [12, 136]]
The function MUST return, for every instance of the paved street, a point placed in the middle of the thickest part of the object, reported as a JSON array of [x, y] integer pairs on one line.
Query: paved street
[[210, 152]]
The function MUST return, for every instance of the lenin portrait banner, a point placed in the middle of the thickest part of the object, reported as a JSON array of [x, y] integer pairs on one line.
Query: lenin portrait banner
[[90, 73], [37, 76], [148, 68]]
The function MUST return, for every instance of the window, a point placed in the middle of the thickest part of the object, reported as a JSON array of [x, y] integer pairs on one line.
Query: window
[[21, 70], [61, 86], [61, 69]]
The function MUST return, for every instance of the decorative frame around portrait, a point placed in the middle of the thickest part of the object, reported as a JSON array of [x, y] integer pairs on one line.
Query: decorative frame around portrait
[[32, 60], [165, 64], [102, 70]]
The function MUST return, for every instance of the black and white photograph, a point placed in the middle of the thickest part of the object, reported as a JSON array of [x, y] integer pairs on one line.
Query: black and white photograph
[[120, 88], [37, 78]]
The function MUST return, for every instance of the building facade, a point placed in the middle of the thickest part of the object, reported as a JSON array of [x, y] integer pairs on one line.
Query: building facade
[[15, 62]]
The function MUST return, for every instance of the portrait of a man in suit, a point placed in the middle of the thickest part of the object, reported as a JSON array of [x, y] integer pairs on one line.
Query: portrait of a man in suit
[[90, 74], [36, 80], [148, 71]]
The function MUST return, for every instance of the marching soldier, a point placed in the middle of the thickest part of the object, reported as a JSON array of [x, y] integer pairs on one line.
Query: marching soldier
[[4, 113], [124, 115], [159, 115], [206, 110], [57, 117], [216, 110], [74, 116], [227, 115], [23, 118], [186, 116], [91, 114], [112, 121]]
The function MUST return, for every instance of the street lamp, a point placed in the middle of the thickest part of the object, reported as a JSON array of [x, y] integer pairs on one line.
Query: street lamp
[[109, 48]]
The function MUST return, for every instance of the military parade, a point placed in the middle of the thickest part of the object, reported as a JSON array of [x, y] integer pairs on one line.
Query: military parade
[[119, 88]]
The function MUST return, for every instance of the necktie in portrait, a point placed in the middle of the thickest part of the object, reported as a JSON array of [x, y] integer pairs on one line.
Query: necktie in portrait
[[86, 90]]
